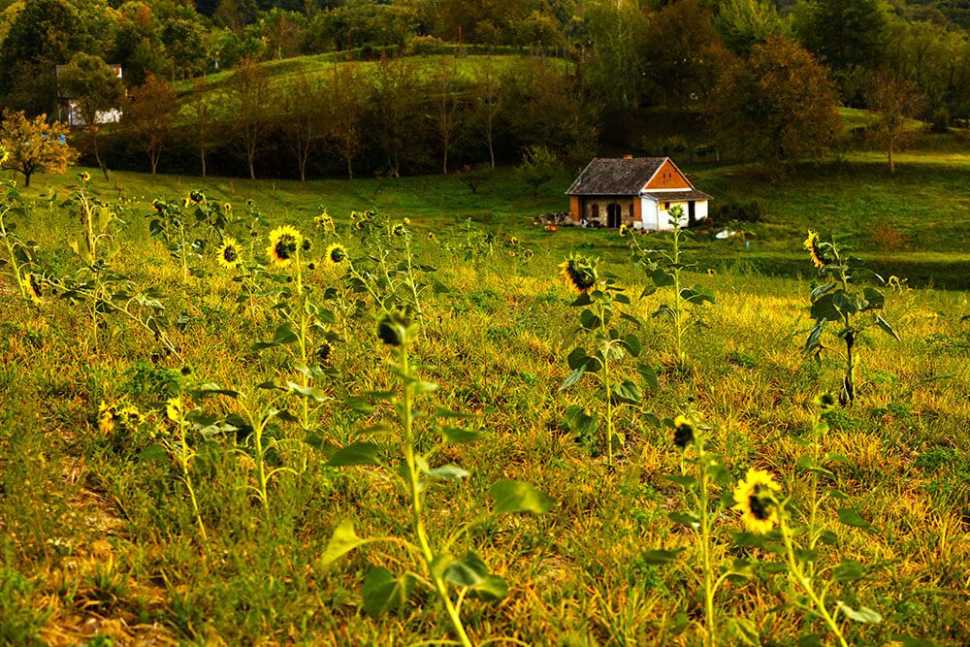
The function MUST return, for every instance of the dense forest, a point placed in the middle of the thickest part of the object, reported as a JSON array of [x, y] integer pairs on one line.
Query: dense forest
[[755, 78]]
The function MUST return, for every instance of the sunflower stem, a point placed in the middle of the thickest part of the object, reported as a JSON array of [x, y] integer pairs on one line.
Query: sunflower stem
[[417, 505], [710, 638]]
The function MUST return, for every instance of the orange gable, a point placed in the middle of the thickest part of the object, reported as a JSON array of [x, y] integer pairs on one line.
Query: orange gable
[[668, 176]]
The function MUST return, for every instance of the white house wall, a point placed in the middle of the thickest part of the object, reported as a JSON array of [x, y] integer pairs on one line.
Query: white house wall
[[656, 218]]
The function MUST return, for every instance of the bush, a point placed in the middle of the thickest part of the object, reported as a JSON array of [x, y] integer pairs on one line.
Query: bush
[[740, 212], [427, 45]]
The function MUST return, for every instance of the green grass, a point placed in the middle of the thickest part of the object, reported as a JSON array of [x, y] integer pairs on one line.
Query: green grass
[[99, 541]]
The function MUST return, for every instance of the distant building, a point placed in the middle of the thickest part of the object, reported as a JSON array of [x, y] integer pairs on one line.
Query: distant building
[[67, 110], [638, 192]]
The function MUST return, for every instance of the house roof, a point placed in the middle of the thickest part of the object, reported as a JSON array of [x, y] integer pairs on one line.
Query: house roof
[[615, 176], [676, 196]]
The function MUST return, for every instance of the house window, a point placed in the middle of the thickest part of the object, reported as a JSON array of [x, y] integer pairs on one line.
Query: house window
[[666, 206], [596, 210]]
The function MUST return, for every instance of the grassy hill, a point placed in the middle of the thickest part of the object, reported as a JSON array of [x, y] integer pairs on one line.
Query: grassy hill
[[102, 542]]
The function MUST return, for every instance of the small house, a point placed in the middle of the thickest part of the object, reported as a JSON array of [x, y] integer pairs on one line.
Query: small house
[[67, 108], [638, 192]]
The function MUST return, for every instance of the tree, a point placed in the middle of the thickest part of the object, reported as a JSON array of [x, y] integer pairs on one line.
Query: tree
[[150, 111], [489, 99], [200, 109], [250, 92], [844, 33], [346, 107], [95, 89], [305, 117], [539, 165], [896, 100], [395, 103], [34, 145], [778, 104], [744, 23], [447, 106]]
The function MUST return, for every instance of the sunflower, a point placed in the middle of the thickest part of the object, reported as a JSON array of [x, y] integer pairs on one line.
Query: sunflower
[[107, 415], [754, 498], [84, 176], [227, 207], [394, 327], [324, 221], [825, 402], [34, 288], [284, 242], [399, 229], [683, 432], [815, 250], [174, 409], [335, 256], [324, 353], [229, 256], [129, 416], [197, 197], [623, 230], [579, 272]]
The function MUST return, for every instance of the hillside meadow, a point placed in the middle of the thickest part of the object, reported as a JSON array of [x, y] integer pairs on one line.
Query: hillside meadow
[[180, 458]]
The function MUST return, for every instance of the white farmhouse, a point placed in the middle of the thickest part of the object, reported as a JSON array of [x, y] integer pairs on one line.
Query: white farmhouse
[[638, 192]]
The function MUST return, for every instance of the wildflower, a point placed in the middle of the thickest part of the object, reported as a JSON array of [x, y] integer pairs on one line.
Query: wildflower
[[579, 273], [283, 245], [754, 498], [393, 327], [335, 256], [229, 253], [106, 418], [683, 432], [174, 410], [815, 250]]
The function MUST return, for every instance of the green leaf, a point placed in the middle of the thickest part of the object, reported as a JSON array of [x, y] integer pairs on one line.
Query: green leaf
[[863, 614], [459, 435], [588, 320], [661, 556], [887, 328], [632, 344], [492, 587], [153, 453], [448, 472], [874, 299], [851, 517], [382, 592], [467, 571], [516, 496], [573, 377], [649, 375], [685, 518], [848, 571], [661, 278], [577, 358], [343, 540], [355, 454], [627, 392]]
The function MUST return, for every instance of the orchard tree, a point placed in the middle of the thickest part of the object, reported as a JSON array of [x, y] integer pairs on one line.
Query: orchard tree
[[745, 23], [200, 112], [396, 102], [895, 100], [95, 88], [150, 112], [489, 98], [844, 33], [33, 145], [538, 168], [778, 104], [448, 103]]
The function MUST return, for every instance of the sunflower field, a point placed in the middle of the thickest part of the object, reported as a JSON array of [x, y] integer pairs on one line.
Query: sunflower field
[[231, 423]]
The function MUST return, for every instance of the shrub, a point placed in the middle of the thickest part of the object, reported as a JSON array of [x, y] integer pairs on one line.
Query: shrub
[[740, 212]]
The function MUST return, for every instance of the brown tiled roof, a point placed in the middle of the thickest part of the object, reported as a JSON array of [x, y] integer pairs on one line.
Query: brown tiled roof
[[615, 176], [677, 196]]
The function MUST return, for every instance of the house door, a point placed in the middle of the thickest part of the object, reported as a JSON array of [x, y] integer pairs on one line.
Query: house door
[[691, 214], [613, 215]]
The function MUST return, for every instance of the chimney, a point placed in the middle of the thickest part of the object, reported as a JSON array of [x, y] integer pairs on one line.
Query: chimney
[[627, 156]]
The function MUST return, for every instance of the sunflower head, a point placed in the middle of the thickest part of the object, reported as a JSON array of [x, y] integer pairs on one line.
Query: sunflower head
[[229, 255], [683, 431], [579, 272], [395, 327], [284, 242], [324, 354], [84, 176], [622, 230], [399, 229], [825, 402], [35, 288], [336, 256], [815, 252], [227, 207], [197, 197], [324, 221], [754, 498], [107, 415]]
